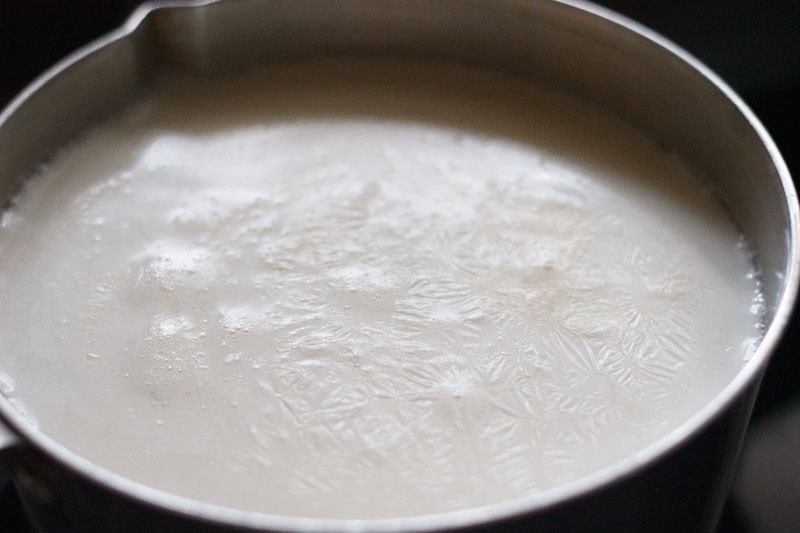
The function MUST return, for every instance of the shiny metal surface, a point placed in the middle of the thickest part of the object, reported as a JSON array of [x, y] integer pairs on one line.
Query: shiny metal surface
[[583, 49]]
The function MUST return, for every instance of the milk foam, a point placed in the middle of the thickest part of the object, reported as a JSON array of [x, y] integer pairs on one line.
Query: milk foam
[[408, 289]]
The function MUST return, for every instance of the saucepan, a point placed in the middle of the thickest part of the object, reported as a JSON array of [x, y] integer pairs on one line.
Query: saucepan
[[678, 484]]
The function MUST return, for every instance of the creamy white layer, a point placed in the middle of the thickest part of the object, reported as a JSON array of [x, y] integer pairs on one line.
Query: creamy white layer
[[354, 289]]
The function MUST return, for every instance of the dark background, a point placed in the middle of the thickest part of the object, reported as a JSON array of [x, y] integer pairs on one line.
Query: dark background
[[754, 46]]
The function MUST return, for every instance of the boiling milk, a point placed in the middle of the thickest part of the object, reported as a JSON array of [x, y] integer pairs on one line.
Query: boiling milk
[[360, 290]]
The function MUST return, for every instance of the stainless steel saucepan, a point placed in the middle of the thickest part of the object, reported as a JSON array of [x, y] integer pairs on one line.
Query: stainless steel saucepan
[[678, 484]]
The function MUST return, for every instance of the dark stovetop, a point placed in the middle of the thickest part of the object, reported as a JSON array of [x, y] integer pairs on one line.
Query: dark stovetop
[[752, 46]]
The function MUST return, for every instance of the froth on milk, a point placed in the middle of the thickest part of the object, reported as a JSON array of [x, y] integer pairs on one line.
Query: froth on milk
[[357, 289]]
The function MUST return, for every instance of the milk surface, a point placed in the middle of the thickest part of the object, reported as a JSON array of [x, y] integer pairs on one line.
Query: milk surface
[[352, 289]]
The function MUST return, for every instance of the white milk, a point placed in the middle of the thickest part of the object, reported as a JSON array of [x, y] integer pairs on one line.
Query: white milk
[[354, 290]]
